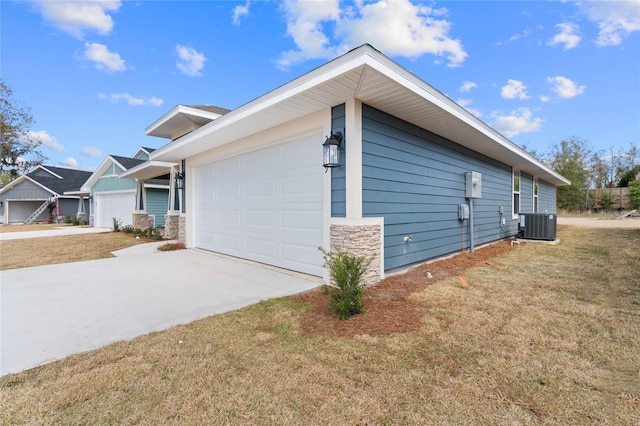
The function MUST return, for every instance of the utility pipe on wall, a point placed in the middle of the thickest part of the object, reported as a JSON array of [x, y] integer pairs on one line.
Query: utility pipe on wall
[[471, 237]]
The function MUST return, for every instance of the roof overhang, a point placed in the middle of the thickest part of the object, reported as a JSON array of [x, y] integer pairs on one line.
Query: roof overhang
[[369, 76], [22, 178], [180, 120], [149, 170]]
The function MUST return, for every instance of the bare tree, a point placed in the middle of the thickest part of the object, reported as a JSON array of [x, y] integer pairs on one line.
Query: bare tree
[[18, 151]]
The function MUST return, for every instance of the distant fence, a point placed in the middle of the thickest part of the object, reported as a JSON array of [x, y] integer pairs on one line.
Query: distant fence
[[619, 198]]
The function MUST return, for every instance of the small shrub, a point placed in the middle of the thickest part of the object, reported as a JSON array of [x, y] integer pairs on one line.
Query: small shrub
[[151, 233], [347, 270], [116, 224], [172, 247], [128, 229]]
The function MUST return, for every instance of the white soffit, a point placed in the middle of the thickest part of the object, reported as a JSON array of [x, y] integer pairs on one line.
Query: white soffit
[[367, 75], [179, 118], [148, 170]]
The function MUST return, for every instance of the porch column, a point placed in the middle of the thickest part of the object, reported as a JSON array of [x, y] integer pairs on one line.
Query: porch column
[[353, 154], [140, 218], [82, 214], [172, 218]]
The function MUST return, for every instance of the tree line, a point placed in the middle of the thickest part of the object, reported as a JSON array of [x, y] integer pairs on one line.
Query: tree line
[[590, 169]]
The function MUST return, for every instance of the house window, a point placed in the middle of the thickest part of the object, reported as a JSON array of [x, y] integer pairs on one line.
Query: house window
[[535, 195], [516, 193]]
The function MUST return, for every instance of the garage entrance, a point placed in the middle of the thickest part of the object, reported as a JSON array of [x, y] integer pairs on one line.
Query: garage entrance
[[265, 205], [109, 205]]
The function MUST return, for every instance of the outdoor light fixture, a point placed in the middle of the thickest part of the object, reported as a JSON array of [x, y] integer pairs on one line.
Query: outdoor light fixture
[[331, 150], [179, 180]]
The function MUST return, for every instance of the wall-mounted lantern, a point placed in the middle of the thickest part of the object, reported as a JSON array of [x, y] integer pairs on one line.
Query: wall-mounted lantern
[[179, 180], [331, 150]]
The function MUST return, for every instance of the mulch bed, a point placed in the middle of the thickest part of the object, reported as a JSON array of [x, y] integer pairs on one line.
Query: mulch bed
[[387, 309]]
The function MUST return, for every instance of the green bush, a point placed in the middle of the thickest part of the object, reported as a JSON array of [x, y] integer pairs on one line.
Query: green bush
[[346, 270], [116, 224], [634, 194], [128, 229]]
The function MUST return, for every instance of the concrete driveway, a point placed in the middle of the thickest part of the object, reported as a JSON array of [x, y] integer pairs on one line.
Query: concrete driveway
[[49, 312]]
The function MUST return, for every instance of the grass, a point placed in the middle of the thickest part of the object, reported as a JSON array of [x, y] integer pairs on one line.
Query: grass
[[62, 249], [542, 335]]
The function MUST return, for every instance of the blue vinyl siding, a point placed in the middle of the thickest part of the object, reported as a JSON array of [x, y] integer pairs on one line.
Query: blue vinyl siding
[[416, 180], [338, 181], [157, 203], [546, 197]]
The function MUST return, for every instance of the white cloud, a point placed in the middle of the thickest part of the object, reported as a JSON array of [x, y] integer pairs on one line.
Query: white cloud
[[78, 17], [240, 11], [564, 87], [466, 103], [516, 122], [615, 19], [396, 27], [45, 139], [69, 161], [191, 61], [544, 98], [514, 90], [467, 86], [568, 36], [130, 99], [102, 58], [91, 152]]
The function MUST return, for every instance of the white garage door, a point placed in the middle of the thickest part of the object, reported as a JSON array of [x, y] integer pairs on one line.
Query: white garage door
[[264, 206], [109, 205]]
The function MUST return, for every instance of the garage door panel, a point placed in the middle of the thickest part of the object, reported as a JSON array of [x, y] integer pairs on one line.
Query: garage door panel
[[260, 189], [300, 220], [261, 247], [267, 205], [119, 205], [260, 218]]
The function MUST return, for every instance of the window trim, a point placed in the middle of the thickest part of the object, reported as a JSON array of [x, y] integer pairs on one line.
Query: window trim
[[515, 213], [536, 195]]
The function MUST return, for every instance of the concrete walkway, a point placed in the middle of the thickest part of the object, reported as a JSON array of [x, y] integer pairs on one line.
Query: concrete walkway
[[49, 312]]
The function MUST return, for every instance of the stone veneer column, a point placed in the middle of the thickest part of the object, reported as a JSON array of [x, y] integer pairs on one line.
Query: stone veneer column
[[361, 238], [171, 226], [140, 220], [182, 232]]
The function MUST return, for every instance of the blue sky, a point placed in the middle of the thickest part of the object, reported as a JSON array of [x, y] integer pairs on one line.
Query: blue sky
[[95, 74]]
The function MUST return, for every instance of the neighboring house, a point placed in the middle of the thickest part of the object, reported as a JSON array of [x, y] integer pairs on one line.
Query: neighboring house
[[114, 197], [251, 183], [26, 198]]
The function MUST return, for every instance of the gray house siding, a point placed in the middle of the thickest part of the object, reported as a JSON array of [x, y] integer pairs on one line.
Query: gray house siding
[[338, 174], [416, 180], [546, 197], [26, 190]]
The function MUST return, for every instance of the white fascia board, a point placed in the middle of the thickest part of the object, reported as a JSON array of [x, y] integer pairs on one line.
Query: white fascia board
[[148, 170], [48, 171], [177, 110], [95, 176], [392, 70], [314, 78], [35, 182]]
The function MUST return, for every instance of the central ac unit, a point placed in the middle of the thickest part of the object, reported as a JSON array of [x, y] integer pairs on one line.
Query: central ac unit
[[538, 226]]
